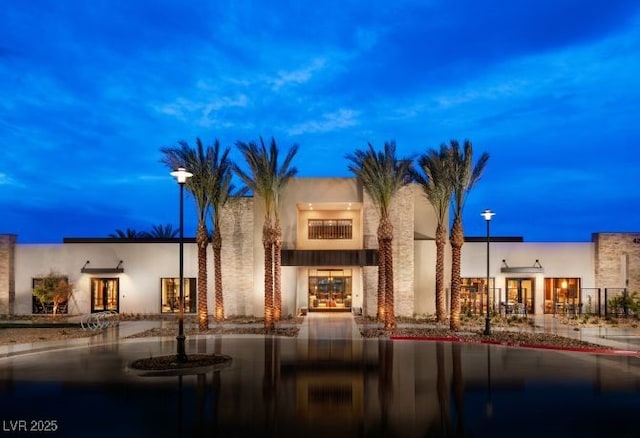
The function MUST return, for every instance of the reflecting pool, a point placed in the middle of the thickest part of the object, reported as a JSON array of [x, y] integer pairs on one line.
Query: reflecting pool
[[285, 387]]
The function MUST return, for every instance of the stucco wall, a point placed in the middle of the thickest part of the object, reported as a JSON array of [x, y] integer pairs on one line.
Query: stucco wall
[[617, 260], [557, 259], [144, 265], [424, 276]]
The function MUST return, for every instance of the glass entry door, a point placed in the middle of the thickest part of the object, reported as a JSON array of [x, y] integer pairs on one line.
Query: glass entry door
[[104, 294], [330, 289], [520, 294]]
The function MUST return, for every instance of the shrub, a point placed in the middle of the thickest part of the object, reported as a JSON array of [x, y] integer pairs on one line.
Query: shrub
[[630, 302]]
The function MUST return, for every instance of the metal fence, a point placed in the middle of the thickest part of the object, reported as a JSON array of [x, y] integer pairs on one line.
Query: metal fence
[[473, 302], [607, 302], [603, 302]]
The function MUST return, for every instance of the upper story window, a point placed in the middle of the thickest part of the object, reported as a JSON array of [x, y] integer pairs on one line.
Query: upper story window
[[330, 229]]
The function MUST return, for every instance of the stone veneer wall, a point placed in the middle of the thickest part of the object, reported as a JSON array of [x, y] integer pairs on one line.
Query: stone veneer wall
[[7, 273], [402, 217], [237, 256], [610, 251]]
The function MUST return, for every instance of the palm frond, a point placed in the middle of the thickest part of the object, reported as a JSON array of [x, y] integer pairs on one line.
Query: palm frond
[[195, 160], [266, 177], [381, 173], [433, 177], [463, 173]]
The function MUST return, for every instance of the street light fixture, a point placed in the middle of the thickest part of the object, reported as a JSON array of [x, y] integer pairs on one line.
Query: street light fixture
[[487, 214], [181, 176]]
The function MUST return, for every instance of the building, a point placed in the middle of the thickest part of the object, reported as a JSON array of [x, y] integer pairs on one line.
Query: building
[[328, 263]]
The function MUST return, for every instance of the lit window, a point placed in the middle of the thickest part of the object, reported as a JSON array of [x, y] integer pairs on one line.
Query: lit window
[[330, 229], [170, 292]]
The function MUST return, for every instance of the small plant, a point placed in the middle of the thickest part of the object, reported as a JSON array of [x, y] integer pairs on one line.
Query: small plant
[[53, 291], [625, 304]]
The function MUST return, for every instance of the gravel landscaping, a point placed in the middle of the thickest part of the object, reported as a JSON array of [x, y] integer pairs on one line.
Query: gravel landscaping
[[511, 331]]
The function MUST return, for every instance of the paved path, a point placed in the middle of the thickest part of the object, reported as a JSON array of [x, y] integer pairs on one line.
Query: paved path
[[333, 325], [340, 326]]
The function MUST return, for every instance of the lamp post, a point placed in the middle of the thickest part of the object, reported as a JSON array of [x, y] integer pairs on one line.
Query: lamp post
[[487, 214], [181, 176]]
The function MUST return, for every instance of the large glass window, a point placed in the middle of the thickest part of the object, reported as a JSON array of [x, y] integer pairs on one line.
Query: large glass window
[[170, 294], [561, 294], [329, 289], [473, 295], [330, 229]]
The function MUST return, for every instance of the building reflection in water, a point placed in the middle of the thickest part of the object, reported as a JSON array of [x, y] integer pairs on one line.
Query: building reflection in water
[[332, 388]]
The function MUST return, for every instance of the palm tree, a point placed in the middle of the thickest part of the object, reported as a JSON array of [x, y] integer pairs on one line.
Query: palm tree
[[382, 175], [463, 176], [129, 233], [219, 191], [267, 180], [196, 160], [282, 176], [437, 189], [161, 232]]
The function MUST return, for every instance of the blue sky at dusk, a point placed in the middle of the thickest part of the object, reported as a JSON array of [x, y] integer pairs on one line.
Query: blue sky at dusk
[[91, 90]]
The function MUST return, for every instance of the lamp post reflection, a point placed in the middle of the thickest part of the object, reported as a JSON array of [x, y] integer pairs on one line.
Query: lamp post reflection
[[181, 176], [489, 405]]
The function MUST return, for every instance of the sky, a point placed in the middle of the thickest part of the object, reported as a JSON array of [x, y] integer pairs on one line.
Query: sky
[[91, 90]]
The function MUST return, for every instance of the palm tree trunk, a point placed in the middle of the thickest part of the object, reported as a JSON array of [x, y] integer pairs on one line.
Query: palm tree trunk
[[457, 239], [277, 274], [267, 242], [441, 239], [387, 238], [216, 243], [203, 312], [381, 277], [389, 298]]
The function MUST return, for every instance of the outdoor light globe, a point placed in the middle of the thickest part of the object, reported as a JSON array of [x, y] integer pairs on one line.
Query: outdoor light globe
[[487, 214], [181, 175]]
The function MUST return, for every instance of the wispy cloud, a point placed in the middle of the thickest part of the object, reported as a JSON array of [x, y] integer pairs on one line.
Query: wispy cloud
[[296, 77], [343, 118]]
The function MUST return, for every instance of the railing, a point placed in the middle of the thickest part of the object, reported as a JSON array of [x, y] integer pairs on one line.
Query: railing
[[100, 320], [607, 302], [475, 303]]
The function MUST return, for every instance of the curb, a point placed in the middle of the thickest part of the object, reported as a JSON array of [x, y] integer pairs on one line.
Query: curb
[[603, 351]]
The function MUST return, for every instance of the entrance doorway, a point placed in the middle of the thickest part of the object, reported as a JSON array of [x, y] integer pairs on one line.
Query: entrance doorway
[[330, 289], [520, 294], [104, 294]]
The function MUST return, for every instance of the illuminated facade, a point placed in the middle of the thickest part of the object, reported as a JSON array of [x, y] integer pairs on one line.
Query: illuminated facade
[[329, 261]]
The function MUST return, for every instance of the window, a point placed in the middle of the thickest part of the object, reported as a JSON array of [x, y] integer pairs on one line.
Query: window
[[473, 295], [170, 294], [330, 229], [561, 294]]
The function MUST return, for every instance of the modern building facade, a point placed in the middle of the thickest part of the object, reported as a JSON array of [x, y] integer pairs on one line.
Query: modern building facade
[[329, 261]]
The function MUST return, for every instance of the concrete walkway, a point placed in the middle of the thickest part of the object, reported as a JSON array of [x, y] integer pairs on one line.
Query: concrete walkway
[[333, 326], [341, 326], [622, 338]]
